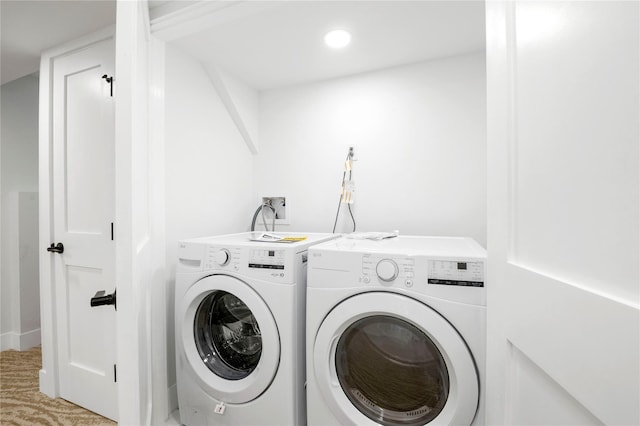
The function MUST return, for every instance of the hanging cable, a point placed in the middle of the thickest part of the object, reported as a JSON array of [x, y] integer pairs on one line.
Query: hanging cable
[[346, 195], [337, 212], [353, 219]]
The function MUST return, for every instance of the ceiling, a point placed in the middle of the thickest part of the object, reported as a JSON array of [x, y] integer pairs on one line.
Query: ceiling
[[27, 28], [283, 45], [271, 47]]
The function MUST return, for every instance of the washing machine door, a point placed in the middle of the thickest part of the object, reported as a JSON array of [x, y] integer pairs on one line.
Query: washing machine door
[[385, 358], [230, 338]]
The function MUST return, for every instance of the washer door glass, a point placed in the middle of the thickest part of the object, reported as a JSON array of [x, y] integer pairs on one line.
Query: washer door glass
[[391, 371], [227, 336]]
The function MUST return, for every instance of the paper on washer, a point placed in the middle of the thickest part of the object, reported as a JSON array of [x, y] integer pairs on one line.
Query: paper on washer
[[266, 237]]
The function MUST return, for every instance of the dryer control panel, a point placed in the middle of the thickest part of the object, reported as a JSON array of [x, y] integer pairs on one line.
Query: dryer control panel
[[451, 272], [448, 268], [388, 268], [458, 279]]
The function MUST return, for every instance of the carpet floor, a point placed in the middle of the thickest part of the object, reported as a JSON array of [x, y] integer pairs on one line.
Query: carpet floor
[[21, 403]]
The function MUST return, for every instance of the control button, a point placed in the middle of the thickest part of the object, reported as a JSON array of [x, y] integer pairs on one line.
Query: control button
[[408, 283], [222, 257], [366, 280], [387, 270]]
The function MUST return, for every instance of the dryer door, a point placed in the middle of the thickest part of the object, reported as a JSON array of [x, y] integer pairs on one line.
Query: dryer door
[[229, 338], [384, 358]]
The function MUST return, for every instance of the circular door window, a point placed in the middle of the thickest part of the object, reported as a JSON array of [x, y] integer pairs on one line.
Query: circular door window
[[385, 358], [227, 336], [391, 371]]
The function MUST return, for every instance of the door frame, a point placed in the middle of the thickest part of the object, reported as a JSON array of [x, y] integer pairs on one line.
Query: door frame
[[49, 374], [139, 221], [138, 233]]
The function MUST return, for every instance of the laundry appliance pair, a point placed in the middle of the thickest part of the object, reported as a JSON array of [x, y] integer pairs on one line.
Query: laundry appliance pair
[[395, 331]]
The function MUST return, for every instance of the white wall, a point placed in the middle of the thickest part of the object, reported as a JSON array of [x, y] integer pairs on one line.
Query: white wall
[[19, 174], [20, 134], [208, 167], [20, 276], [419, 132]]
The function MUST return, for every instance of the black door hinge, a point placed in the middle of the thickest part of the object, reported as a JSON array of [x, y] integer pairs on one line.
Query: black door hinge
[[110, 81], [111, 231], [115, 373]]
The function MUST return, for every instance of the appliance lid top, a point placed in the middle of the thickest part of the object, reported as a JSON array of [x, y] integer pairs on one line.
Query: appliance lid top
[[408, 245], [244, 239]]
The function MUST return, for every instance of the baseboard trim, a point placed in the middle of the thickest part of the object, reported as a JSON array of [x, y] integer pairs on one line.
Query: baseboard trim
[[47, 386], [30, 339], [9, 341], [19, 341], [172, 396]]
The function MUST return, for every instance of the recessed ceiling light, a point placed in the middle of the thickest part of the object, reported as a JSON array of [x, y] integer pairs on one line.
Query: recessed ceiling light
[[337, 39]]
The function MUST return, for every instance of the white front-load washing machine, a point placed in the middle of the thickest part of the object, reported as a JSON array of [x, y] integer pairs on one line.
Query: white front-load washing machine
[[396, 332], [239, 317]]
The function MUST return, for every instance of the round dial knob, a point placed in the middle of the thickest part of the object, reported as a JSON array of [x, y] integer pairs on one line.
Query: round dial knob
[[387, 270], [222, 257]]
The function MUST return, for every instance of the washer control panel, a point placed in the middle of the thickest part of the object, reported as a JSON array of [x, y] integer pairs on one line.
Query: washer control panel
[[217, 257], [266, 263], [266, 259], [222, 257]]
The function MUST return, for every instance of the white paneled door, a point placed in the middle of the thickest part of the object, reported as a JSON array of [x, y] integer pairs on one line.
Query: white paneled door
[[563, 206], [82, 188]]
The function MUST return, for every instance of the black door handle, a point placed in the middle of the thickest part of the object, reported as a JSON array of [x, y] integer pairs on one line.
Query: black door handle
[[58, 248], [100, 299]]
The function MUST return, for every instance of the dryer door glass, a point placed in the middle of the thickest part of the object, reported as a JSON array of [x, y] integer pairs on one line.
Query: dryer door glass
[[227, 336], [392, 371]]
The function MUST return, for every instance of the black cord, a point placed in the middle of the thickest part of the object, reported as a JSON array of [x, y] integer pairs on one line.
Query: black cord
[[352, 218], [336, 222]]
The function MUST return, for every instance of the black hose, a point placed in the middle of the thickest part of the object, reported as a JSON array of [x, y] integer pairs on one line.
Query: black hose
[[352, 218], [257, 212], [337, 213], [255, 216]]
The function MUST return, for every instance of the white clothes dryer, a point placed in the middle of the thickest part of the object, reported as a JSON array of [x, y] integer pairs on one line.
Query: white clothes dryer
[[396, 332], [240, 324]]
